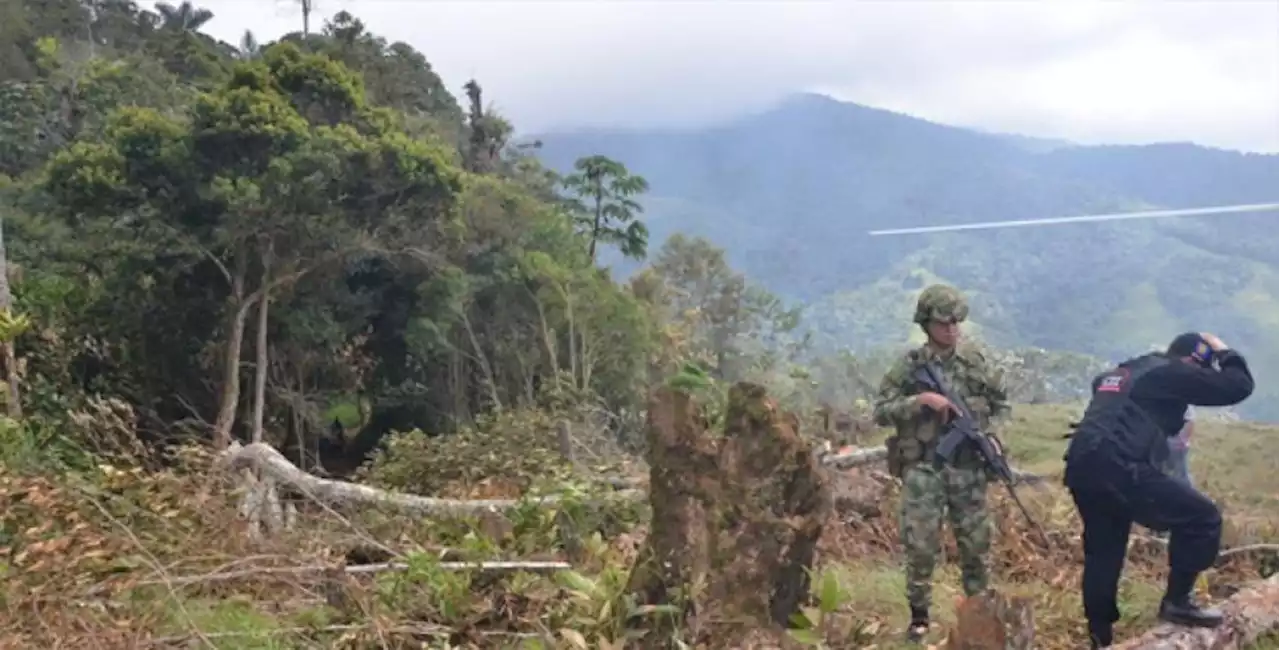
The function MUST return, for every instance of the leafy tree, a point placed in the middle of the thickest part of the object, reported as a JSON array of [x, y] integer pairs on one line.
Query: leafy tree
[[264, 176], [604, 207], [731, 325], [185, 17]]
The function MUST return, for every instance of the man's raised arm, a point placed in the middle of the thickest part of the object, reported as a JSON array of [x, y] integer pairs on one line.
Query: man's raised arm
[[1201, 386]]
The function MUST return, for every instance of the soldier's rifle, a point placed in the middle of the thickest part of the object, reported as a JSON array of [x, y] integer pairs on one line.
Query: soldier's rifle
[[964, 431]]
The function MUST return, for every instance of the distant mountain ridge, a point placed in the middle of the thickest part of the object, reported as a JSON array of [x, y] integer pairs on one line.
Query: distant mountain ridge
[[790, 193]]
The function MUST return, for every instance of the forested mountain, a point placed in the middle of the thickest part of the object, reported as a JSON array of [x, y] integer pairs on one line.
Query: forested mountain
[[791, 192]]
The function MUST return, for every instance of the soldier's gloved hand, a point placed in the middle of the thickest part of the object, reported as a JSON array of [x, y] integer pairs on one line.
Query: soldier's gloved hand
[[938, 403]]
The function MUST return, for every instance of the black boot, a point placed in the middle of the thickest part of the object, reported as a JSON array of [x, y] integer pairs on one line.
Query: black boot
[[1099, 635], [1183, 611], [919, 626], [1178, 608]]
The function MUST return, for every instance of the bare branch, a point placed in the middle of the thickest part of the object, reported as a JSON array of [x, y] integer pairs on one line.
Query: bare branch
[[270, 462]]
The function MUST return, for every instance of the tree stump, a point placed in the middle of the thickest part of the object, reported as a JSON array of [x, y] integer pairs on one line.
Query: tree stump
[[682, 473], [990, 621], [736, 521]]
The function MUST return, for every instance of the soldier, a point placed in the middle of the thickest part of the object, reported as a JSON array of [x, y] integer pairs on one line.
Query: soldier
[[1114, 475], [958, 489]]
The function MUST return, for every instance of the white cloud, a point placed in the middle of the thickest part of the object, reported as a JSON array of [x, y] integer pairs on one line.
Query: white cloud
[[1086, 70]]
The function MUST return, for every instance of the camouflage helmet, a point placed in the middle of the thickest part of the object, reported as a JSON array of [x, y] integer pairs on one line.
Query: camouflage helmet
[[940, 302]]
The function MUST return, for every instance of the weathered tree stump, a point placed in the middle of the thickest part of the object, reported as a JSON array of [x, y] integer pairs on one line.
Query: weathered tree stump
[[990, 621], [736, 520], [682, 484]]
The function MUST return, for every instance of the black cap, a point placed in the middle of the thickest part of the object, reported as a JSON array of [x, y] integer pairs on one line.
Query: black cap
[[1191, 344]]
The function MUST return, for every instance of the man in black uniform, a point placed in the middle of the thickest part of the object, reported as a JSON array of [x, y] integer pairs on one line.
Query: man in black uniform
[[1113, 470]]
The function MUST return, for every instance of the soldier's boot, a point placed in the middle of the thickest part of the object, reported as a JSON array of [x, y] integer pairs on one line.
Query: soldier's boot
[[1178, 608], [919, 626]]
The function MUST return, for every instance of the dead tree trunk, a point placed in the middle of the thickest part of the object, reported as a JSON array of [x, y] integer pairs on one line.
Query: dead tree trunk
[[230, 398], [260, 366], [735, 522]]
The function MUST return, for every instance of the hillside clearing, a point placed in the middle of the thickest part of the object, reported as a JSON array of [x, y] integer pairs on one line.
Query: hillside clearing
[[137, 535]]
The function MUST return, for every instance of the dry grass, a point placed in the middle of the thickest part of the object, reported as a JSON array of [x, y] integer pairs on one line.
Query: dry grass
[[129, 559], [133, 560]]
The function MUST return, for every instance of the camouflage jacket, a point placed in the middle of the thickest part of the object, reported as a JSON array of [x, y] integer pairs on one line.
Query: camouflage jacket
[[966, 371]]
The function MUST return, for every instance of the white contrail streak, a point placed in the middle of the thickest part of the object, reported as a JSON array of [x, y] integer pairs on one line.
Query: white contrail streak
[[1116, 216]]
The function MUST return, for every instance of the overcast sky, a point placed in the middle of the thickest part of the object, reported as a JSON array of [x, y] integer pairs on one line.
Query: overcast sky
[[1085, 70]]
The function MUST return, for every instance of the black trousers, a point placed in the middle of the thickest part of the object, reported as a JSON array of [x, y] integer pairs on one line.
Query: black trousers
[[1111, 495]]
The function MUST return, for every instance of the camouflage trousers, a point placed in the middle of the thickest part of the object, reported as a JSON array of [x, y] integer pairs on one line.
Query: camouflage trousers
[[928, 494]]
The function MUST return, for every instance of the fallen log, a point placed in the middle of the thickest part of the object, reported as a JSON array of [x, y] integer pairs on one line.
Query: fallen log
[[276, 467], [1247, 615], [270, 462]]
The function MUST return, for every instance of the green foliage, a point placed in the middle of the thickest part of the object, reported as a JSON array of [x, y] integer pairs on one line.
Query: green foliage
[[812, 626], [165, 181], [603, 206], [35, 446], [517, 446], [601, 610], [691, 378]]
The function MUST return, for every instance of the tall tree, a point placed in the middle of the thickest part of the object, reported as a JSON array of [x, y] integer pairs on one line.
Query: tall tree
[[281, 171], [249, 46], [487, 133], [185, 17], [604, 206], [307, 6], [731, 323]]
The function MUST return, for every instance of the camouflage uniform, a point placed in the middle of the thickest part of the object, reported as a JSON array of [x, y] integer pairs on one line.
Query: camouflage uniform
[[959, 489]]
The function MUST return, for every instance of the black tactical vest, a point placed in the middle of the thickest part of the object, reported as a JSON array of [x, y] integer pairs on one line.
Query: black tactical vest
[[1113, 418]]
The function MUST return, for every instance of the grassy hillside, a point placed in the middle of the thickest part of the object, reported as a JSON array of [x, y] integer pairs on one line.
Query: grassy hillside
[[790, 193]]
